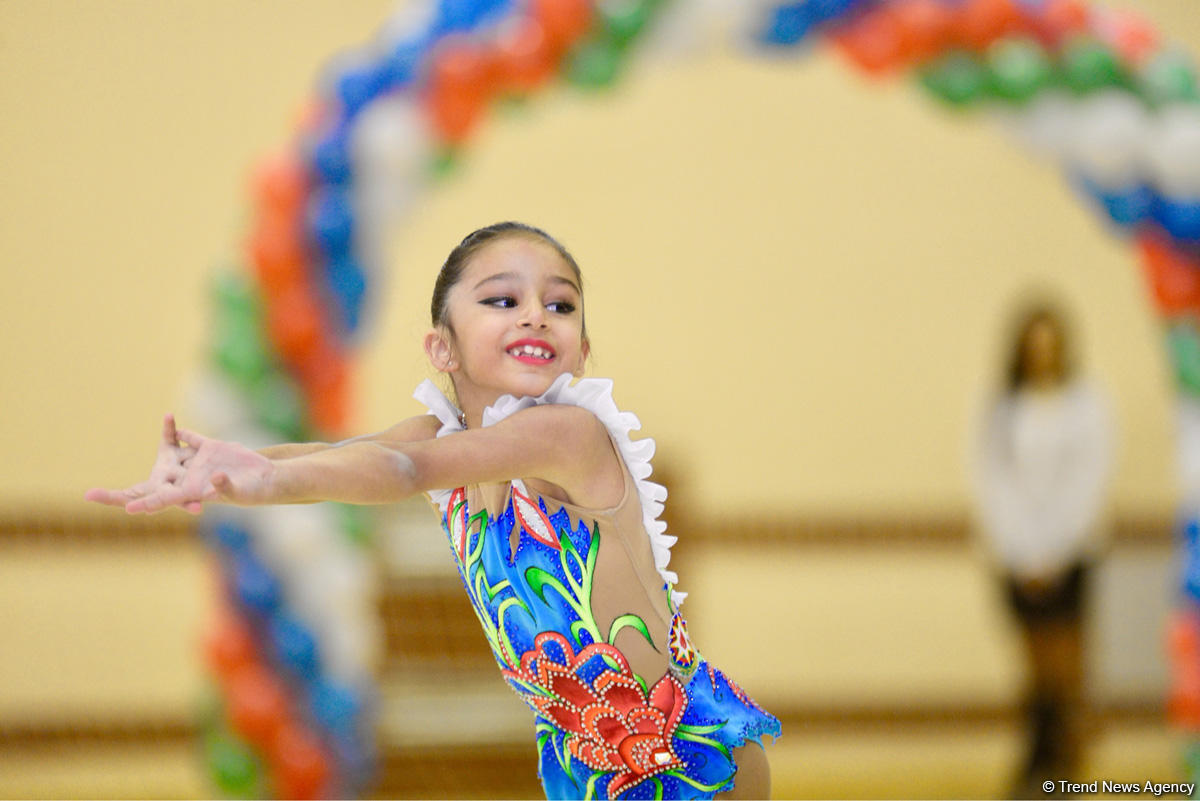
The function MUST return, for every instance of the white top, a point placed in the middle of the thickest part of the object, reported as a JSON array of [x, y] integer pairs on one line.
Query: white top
[[1041, 463], [595, 395]]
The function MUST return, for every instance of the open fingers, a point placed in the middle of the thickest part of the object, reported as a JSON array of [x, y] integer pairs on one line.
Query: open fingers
[[158, 500], [169, 436], [108, 497], [191, 438], [117, 497]]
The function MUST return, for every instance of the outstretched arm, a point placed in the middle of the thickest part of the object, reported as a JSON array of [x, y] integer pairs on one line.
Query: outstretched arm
[[562, 444], [187, 464]]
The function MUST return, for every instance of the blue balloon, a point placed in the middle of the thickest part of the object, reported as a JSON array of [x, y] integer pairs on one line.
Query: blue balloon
[[788, 24], [400, 68], [1190, 531], [254, 584], [1129, 207], [336, 708], [331, 158], [358, 86], [331, 220], [825, 10], [465, 15], [295, 647], [1180, 218], [1191, 578], [348, 284], [229, 535]]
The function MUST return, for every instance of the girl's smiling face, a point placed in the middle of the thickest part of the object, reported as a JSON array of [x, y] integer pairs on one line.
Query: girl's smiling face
[[514, 323]]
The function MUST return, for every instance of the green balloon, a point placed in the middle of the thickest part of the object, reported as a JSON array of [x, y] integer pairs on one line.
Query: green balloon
[[594, 64], [623, 20], [234, 768], [235, 295], [444, 162], [1183, 345], [240, 352], [1088, 65], [357, 522], [1019, 69], [278, 405], [1191, 761], [958, 78], [1169, 78]]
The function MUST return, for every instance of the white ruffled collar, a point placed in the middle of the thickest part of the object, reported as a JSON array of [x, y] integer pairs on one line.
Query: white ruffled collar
[[595, 395]]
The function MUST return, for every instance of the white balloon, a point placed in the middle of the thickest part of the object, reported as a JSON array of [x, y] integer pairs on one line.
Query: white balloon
[[1111, 129], [410, 19], [391, 138], [1187, 435], [1046, 125], [214, 406], [738, 21], [682, 29], [1173, 151], [351, 651], [292, 537]]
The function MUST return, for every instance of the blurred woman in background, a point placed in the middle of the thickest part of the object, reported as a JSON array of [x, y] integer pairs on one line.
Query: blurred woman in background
[[1042, 460]]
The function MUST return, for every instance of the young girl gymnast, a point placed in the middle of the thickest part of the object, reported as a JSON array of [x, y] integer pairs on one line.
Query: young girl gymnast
[[552, 524]]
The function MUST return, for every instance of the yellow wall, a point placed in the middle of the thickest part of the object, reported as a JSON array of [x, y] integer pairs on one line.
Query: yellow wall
[[796, 277], [789, 268]]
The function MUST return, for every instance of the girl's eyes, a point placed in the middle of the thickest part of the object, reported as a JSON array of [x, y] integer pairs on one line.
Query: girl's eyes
[[504, 302], [508, 302]]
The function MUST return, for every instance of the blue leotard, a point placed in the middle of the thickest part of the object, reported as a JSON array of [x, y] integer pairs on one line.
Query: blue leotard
[[624, 705]]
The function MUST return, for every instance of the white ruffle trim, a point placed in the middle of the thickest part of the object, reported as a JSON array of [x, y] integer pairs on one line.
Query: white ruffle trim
[[595, 395]]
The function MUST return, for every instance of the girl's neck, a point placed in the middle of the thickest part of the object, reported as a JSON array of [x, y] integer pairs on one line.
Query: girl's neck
[[472, 401]]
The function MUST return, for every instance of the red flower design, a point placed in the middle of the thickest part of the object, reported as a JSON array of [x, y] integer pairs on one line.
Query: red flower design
[[612, 725]]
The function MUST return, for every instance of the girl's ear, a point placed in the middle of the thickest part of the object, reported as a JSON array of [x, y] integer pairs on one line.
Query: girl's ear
[[583, 354], [440, 351]]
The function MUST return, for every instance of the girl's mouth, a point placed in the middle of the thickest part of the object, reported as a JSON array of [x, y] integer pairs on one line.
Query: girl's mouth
[[531, 354]]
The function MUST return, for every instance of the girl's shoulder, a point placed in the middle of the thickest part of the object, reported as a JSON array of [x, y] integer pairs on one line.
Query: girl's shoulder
[[593, 395]]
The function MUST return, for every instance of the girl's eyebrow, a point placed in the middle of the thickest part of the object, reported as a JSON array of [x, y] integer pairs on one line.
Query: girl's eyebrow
[[558, 279]]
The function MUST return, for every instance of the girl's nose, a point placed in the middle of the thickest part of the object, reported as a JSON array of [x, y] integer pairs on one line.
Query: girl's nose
[[533, 315]]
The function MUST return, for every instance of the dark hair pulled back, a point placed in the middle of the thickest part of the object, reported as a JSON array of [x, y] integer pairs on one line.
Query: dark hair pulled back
[[472, 243], [1035, 312]]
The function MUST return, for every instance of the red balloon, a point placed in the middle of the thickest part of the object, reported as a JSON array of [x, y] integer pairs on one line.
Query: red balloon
[[300, 764], [978, 23], [1174, 277], [257, 704], [325, 378], [925, 28], [229, 646], [563, 20], [525, 57], [1130, 35], [278, 254], [1183, 638], [874, 41], [280, 185], [294, 323], [462, 78], [1058, 19]]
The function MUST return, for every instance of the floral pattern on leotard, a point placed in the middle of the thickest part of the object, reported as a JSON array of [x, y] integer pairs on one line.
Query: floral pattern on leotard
[[601, 731]]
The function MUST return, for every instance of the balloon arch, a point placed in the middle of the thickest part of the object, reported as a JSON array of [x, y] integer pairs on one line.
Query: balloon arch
[[1093, 87]]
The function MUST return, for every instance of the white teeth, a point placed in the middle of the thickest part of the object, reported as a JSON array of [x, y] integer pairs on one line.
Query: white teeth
[[532, 350]]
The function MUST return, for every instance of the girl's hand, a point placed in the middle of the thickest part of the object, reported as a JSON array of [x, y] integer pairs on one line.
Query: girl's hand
[[168, 468], [224, 472], [200, 470]]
